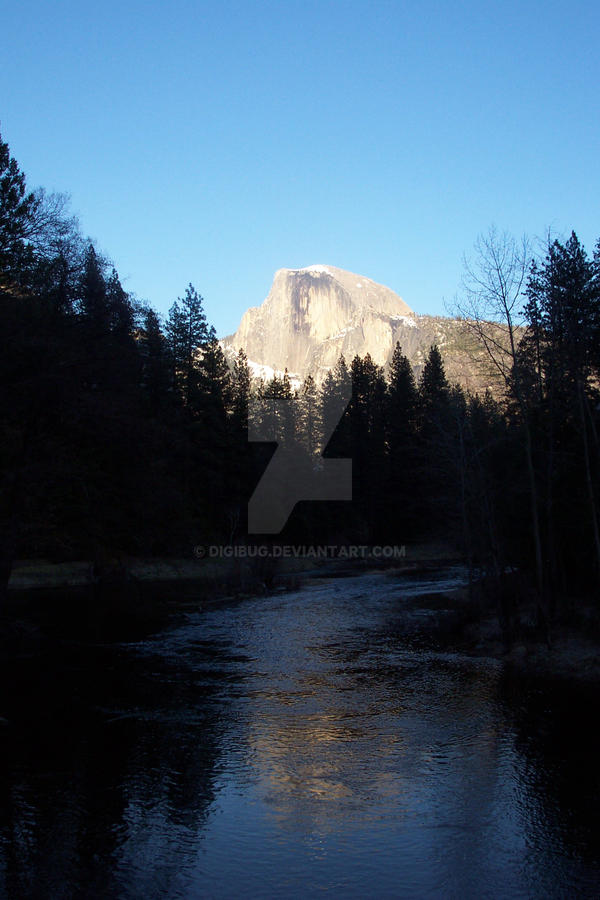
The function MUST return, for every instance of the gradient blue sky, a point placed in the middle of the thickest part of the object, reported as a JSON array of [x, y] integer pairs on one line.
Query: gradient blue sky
[[217, 142]]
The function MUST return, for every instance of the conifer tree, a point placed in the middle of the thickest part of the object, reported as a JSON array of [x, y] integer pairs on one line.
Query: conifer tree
[[120, 310], [94, 305], [17, 210], [156, 374], [402, 400], [240, 386], [334, 413], [401, 403], [433, 386], [289, 411], [563, 311], [308, 416], [187, 332], [367, 430]]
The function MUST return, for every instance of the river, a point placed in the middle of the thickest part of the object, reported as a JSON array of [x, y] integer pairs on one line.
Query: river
[[309, 743]]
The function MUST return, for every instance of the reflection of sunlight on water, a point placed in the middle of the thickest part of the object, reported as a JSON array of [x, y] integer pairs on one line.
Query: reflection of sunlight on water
[[341, 746]]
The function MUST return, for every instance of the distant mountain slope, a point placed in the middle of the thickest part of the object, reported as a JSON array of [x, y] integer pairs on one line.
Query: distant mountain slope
[[313, 315]]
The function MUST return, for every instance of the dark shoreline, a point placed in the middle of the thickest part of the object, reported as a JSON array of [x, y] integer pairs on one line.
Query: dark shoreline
[[49, 602], [467, 627]]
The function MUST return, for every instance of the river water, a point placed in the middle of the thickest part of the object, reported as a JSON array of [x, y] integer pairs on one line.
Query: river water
[[310, 743]]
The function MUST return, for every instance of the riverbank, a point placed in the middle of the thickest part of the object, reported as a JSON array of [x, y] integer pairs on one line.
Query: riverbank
[[238, 570], [472, 627], [123, 598]]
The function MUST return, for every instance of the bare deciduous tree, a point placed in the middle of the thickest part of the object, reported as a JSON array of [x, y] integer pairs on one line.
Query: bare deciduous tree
[[491, 298], [491, 308]]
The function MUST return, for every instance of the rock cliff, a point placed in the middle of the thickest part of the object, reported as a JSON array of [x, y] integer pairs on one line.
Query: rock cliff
[[313, 315]]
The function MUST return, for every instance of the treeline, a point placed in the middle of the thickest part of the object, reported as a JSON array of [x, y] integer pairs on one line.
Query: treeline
[[104, 415], [122, 434]]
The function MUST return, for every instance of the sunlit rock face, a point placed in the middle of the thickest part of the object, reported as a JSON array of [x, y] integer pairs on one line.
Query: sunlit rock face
[[314, 315]]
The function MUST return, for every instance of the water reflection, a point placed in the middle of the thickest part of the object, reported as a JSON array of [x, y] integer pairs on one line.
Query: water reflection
[[104, 752], [294, 744]]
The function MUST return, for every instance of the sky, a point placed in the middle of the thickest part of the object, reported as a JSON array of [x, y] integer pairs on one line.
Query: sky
[[215, 142]]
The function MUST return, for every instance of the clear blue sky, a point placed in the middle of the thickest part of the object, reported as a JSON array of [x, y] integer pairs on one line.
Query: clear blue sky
[[216, 142]]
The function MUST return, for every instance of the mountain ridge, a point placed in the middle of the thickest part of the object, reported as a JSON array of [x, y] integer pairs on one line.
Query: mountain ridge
[[313, 315]]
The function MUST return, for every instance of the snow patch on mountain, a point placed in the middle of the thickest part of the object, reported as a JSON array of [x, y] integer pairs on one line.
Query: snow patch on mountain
[[406, 320], [268, 373]]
